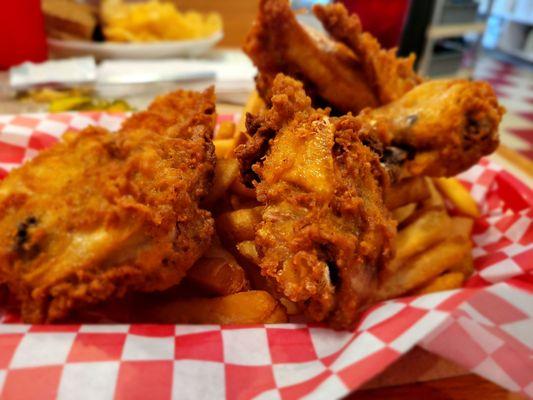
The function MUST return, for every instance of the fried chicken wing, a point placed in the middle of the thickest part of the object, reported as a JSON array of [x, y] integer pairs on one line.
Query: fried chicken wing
[[439, 128], [348, 74], [325, 230], [101, 214]]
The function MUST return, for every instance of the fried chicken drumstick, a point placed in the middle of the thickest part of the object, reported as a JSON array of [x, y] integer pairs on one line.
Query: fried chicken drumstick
[[439, 128], [347, 72], [101, 214], [325, 229]]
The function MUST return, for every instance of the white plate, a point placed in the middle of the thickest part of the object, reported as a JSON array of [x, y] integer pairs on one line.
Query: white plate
[[107, 50]]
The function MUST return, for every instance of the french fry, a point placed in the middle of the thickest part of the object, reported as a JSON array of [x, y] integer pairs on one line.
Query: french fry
[[218, 272], [248, 250], [412, 190], [431, 227], [240, 189], [423, 268], [226, 171], [223, 148], [462, 227], [435, 199], [465, 266], [400, 214], [454, 191], [239, 225], [253, 105], [226, 130], [253, 307], [447, 281]]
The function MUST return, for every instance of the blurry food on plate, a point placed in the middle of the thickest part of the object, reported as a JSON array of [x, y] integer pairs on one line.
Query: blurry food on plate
[[67, 19], [101, 214], [154, 20]]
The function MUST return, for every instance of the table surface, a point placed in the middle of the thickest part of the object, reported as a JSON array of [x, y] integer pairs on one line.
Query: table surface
[[435, 378]]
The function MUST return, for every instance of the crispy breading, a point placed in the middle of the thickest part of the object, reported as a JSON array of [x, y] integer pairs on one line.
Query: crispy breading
[[101, 214], [325, 229], [439, 128]]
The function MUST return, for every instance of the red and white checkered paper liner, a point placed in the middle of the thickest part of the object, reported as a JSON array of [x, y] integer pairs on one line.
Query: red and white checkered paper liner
[[486, 327]]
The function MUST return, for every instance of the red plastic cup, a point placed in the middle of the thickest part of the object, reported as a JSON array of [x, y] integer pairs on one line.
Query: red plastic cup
[[22, 35]]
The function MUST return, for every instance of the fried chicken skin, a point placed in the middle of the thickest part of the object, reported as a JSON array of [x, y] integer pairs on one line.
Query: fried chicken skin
[[440, 128], [325, 230], [349, 73], [101, 214]]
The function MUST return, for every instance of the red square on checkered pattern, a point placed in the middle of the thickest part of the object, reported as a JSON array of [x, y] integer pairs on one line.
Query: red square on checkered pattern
[[495, 308], [152, 330], [32, 383], [40, 140], [246, 382], [54, 328], [290, 345], [489, 259], [23, 120], [455, 343], [356, 374], [519, 368], [10, 153], [497, 245], [8, 345], [205, 346], [301, 389], [144, 380], [452, 302], [506, 222], [393, 327], [524, 260], [97, 347]]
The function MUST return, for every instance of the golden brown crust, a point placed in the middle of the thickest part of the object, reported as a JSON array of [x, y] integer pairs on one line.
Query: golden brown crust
[[444, 126], [325, 230], [100, 214]]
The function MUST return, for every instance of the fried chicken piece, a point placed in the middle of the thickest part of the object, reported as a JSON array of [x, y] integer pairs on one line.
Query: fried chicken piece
[[439, 128], [348, 74], [100, 214], [325, 229]]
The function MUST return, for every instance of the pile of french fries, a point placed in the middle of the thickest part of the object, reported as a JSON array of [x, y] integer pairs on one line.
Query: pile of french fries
[[433, 248]]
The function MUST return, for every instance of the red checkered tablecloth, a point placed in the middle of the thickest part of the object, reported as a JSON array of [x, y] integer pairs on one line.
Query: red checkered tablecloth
[[487, 326]]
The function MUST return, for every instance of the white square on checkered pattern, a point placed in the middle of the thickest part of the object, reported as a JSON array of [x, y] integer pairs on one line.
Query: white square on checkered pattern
[[246, 346], [104, 328], [327, 342], [2, 379], [486, 340], [291, 374], [16, 138], [489, 369], [14, 328], [362, 346], [431, 300], [54, 128], [111, 122], [191, 329], [148, 348], [420, 329], [331, 388], [79, 121], [16, 130], [519, 298], [501, 271], [210, 374], [491, 235], [528, 390], [478, 252], [94, 380], [383, 312], [521, 330], [475, 314], [518, 229], [37, 349], [513, 249]]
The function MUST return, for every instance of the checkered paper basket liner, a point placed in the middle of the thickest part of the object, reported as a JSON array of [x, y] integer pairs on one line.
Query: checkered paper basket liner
[[486, 327]]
